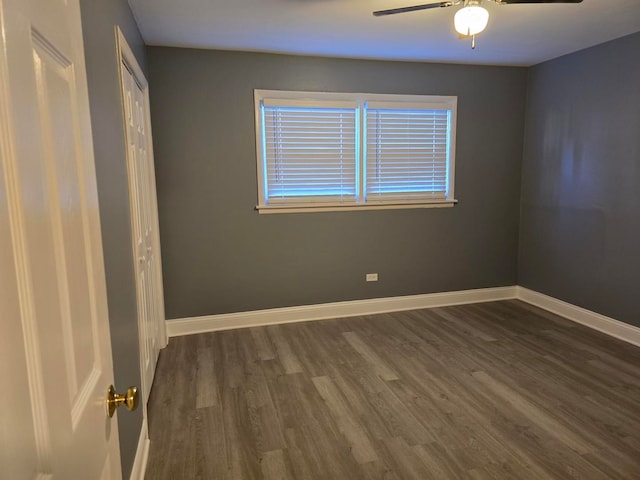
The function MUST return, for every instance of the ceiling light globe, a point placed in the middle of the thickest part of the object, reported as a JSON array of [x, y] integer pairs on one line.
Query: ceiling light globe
[[471, 20]]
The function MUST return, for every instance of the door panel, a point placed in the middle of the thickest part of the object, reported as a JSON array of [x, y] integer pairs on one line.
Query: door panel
[[144, 224], [56, 354], [60, 135]]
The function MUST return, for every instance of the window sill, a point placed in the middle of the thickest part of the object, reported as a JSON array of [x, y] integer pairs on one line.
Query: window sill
[[271, 209]]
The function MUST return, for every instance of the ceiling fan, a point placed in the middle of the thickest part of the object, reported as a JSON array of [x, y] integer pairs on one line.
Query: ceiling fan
[[471, 19]]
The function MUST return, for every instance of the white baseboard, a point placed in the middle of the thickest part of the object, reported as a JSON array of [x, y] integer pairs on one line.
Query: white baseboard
[[212, 323], [275, 316], [615, 328], [142, 454]]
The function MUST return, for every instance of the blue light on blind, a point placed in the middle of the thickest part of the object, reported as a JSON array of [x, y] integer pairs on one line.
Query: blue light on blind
[[407, 152], [314, 154], [309, 152]]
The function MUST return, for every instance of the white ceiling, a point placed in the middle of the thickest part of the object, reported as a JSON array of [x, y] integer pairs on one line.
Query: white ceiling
[[516, 34]]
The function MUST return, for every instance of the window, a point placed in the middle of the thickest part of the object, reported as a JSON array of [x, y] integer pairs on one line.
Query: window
[[334, 151]]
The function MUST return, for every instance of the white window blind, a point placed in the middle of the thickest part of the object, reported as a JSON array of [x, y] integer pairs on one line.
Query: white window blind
[[407, 154], [309, 154], [322, 151]]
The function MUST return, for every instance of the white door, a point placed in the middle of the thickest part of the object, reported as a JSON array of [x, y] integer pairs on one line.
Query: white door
[[146, 242], [55, 353]]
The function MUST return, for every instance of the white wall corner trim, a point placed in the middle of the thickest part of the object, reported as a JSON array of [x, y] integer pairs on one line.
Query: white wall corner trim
[[142, 454], [615, 328], [226, 321]]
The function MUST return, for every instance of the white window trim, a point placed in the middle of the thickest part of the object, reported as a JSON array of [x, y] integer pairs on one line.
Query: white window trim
[[295, 98]]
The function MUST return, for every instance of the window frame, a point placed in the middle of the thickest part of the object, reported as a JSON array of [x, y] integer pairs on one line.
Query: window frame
[[304, 98]]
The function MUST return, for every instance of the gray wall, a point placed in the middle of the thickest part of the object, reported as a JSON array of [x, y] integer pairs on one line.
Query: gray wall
[[99, 18], [580, 224], [220, 256]]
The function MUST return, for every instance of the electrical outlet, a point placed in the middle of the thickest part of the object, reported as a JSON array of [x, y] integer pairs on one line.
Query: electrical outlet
[[372, 277]]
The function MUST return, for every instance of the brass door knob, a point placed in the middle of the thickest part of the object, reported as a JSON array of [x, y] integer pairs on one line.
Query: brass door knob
[[129, 399]]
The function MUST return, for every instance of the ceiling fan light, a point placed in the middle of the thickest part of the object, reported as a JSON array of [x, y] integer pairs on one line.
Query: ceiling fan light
[[471, 20]]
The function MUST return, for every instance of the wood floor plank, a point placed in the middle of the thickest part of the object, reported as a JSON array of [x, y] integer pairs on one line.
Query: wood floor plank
[[209, 442], [276, 466], [383, 413], [311, 432], [206, 384], [242, 453], [535, 414], [231, 361], [265, 419], [306, 349], [464, 324], [300, 463], [358, 399], [492, 391], [361, 446], [368, 354], [265, 423], [289, 360], [409, 463], [263, 343], [440, 463]]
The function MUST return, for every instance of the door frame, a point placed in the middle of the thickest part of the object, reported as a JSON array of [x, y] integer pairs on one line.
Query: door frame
[[126, 57]]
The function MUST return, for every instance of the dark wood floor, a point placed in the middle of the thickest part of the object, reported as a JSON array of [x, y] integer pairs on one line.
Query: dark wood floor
[[490, 391]]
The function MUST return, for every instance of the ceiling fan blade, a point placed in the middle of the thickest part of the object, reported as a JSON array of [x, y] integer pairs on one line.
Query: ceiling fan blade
[[414, 8], [515, 2]]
